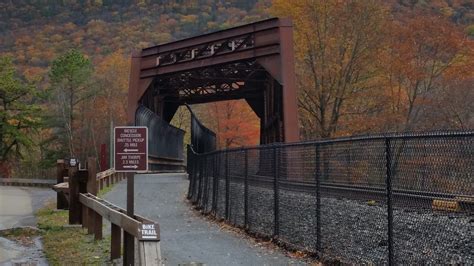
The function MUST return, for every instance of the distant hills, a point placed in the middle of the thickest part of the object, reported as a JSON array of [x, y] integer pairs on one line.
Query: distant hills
[[35, 31]]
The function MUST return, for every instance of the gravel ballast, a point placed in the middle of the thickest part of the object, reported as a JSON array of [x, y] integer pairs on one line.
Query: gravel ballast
[[352, 231]]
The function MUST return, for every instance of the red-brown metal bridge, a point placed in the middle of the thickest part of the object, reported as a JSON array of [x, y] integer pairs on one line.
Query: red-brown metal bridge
[[254, 62]]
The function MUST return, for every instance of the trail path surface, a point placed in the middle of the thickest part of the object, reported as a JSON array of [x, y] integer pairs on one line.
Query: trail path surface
[[17, 208], [186, 236]]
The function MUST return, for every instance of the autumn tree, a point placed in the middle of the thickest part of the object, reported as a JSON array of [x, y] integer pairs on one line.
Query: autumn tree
[[234, 123], [19, 115], [422, 49], [182, 120], [336, 45], [452, 106], [69, 75], [108, 106]]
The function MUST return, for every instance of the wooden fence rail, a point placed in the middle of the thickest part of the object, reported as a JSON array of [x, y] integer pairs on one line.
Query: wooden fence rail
[[104, 179], [77, 191]]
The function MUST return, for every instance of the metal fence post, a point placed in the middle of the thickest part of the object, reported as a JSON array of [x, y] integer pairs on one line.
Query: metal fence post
[[317, 178], [189, 170], [218, 182], [213, 181], [199, 192], [388, 181], [227, 186], [226, 174], [215, 185], [195, 176], [202, 185], [194, 165], [196, 179], [246, 189], [276, 173], [205, 196]]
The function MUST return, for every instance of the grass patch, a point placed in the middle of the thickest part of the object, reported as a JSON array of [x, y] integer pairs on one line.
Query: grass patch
[[65, 245], [105, 190]]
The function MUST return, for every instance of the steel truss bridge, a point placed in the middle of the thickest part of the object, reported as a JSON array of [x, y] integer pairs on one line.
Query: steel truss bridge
[[254, 62]]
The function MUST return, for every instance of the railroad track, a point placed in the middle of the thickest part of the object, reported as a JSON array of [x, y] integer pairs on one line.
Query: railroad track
[[400, 197]]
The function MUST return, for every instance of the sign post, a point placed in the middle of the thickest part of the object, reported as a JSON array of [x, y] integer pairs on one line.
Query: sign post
[[131, 156]]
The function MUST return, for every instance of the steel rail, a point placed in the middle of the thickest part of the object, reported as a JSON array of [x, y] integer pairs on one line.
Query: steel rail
[[360, 191]]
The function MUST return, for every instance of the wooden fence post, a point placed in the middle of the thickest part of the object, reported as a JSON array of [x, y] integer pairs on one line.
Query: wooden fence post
[[61, 200], [115, 242], [97, 226], [74, 205], [149, 253], [94, 220], [85, 220], [128, 239], [90, 221], [92, 176]]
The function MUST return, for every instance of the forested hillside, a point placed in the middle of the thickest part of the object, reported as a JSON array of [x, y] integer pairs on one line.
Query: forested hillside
[[34, 32], [362, 67]]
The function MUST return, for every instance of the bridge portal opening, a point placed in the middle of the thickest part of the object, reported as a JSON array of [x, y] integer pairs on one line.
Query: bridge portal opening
[[234, 122]]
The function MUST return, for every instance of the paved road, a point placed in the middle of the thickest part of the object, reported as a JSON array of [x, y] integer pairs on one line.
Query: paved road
[[185, 236], [18, 204], [17, 207]]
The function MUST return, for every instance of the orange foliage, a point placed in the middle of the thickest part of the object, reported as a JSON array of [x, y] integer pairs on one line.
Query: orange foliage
[[405, 70], [423, 51], [234, 123]]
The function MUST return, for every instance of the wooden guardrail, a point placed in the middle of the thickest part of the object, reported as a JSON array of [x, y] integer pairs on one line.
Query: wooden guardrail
[[146, 231], [80, 193], [109, 177], [104, 179]]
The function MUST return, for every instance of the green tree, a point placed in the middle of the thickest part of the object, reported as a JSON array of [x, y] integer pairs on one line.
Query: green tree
[[19, 116], [70, 75]]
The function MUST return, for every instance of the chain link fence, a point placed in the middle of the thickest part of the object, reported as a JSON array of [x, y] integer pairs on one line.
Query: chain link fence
[[388, 199]]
